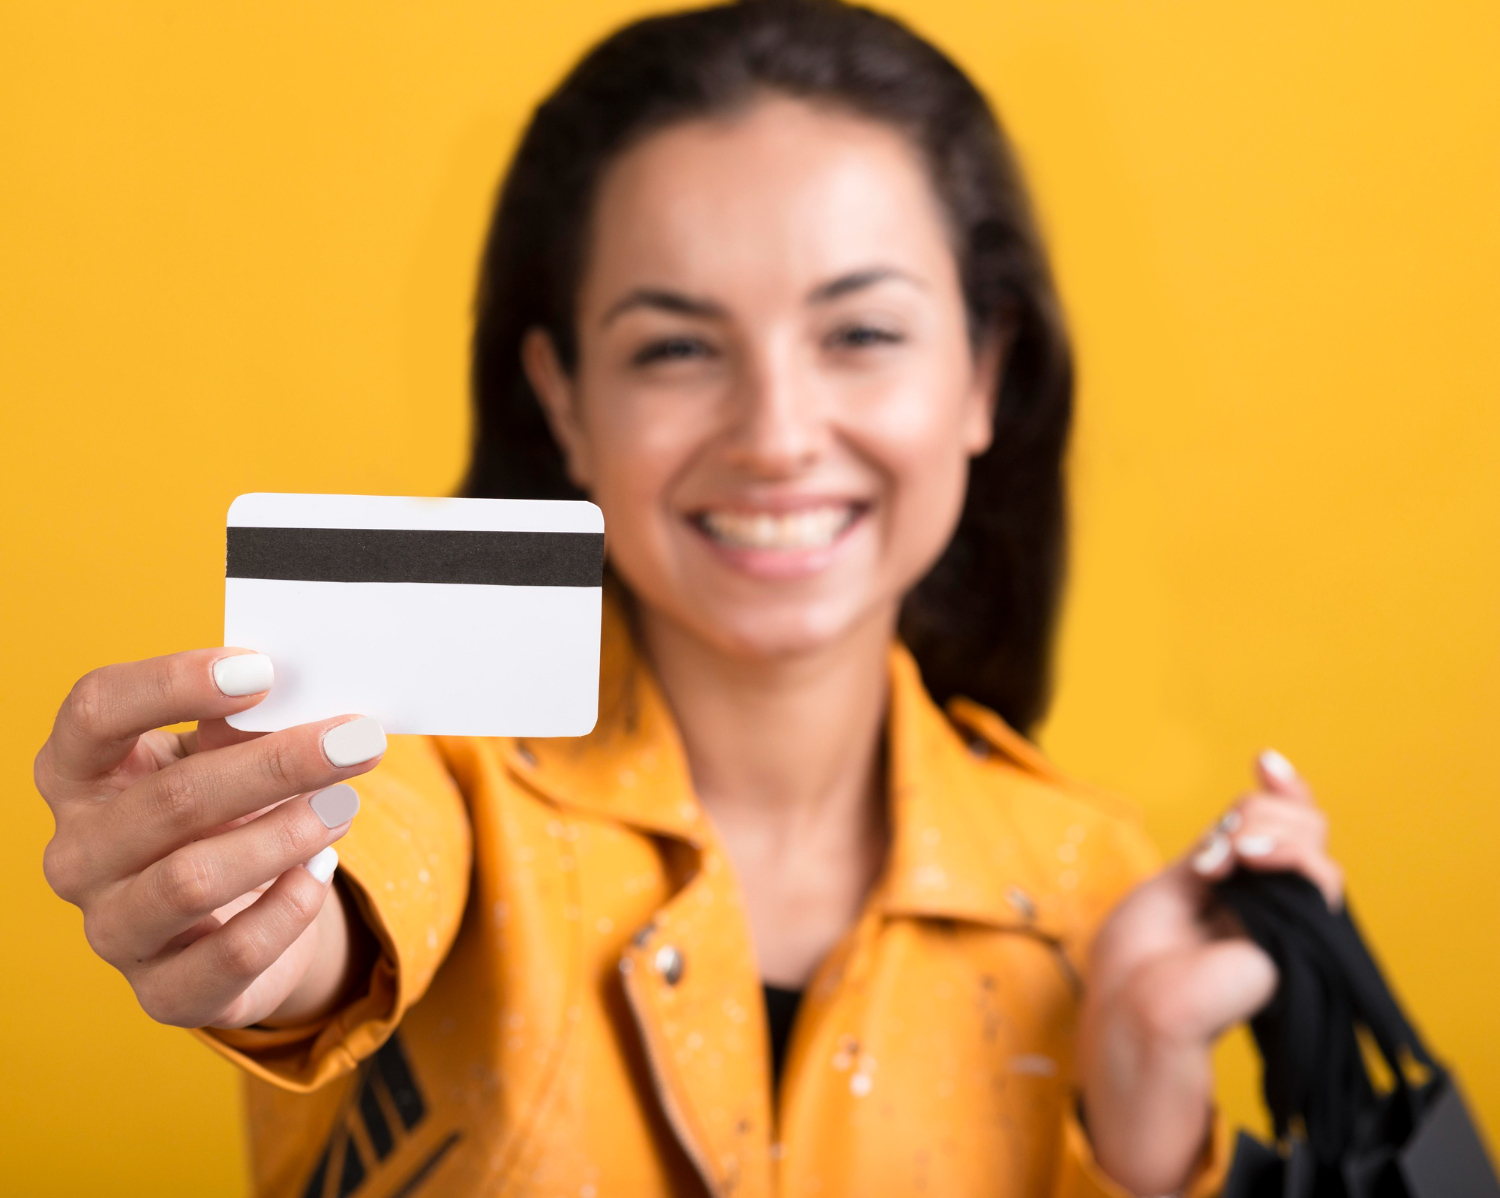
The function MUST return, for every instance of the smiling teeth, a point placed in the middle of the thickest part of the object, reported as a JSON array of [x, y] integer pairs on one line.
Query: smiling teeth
[[810, 528]]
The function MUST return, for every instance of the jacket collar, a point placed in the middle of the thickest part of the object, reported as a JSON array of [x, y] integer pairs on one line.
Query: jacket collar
[[958, 790], [959, 848]]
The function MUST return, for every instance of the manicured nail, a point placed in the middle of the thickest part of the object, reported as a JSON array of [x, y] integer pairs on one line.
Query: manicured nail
[[336, 805], [1213, 854], [322, 864], [1231, 822], [1278, 767], [243, 674], [358, 740], [1255, 846]]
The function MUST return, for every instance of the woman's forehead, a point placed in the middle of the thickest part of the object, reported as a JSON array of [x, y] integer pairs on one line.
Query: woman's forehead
[[783, 193]]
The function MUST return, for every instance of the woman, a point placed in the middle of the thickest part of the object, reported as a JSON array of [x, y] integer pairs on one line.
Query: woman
[[762, 284]]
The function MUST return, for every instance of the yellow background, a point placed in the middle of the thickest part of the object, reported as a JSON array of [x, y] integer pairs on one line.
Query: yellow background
[[236, 252]]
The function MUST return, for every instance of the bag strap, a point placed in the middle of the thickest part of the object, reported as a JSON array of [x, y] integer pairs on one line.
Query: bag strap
[[1315, 1074], [1297, 899]]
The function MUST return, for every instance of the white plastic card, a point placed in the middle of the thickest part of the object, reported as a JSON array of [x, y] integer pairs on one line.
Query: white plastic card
[[457, 617]]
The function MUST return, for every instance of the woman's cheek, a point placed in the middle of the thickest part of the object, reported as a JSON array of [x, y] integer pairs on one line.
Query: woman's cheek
[[925, 513], [919, 447], [639, 453]]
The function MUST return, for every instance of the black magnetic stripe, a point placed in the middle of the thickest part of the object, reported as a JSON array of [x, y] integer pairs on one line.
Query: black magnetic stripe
[[516, 559]]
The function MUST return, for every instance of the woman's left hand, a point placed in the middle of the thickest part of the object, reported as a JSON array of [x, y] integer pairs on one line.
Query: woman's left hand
[[1171, 971]]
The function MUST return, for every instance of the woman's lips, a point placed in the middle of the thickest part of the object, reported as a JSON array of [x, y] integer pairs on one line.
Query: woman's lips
[[778, 544]]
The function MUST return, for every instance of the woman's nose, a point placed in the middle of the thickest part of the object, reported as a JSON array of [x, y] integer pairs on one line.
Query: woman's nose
[[780, 427]]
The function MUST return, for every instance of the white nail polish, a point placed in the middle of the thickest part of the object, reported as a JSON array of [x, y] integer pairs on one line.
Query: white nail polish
[[322, 864], [336, 805], [1212, 855], [1255, 846], [1278, 767], [243, 674], [358, 740], [1231, 822]]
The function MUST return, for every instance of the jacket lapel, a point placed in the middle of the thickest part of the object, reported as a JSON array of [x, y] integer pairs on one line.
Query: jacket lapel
[[962, 845], [690, 975]]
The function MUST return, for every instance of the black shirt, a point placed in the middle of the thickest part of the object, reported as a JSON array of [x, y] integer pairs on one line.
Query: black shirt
[[781, 1013]]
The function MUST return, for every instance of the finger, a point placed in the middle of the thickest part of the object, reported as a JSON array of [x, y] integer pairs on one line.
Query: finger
[[109, 708], [175, 894], [194, 987], [1213, 857], [217, 734], [187, 800], [1280, 776], [1282, 816], [1266, 850]]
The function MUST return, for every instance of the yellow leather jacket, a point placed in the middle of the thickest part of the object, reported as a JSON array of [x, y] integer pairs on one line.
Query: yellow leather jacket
[[567, 1000]]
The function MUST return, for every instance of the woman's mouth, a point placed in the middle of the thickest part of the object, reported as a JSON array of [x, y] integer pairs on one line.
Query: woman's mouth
[[779, 543], [806, 528]]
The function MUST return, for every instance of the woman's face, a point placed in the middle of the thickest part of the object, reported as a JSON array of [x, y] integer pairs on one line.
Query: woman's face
[[776, 396]]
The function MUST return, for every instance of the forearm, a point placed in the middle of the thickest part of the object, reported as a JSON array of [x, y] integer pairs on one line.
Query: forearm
[[1147, 1099]]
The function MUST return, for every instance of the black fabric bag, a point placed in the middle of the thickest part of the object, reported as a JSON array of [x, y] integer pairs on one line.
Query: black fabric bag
[[1340, 1136]]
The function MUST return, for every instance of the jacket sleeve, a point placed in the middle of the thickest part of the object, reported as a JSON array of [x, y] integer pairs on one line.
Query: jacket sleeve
[[1078, 1174], [405, 863]]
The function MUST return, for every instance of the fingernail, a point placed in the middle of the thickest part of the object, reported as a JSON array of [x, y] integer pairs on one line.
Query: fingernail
[[336, 805], [1213, 854], [1278, 767], [322, 864], [358, 740], [1231, 822], [243, 674], [1255, 846]]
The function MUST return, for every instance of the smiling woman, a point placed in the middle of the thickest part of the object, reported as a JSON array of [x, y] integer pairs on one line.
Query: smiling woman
[[805, 913], [887, 109], [803, 407]]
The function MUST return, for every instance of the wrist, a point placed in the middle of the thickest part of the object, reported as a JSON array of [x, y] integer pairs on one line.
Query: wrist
[[1146, 1100], [339, 955]]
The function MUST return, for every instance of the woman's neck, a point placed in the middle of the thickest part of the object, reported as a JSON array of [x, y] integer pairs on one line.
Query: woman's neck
[[783, 738], [785, 756]]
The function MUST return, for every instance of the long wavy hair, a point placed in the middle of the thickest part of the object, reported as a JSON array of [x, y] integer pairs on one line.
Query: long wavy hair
[[981, 622]]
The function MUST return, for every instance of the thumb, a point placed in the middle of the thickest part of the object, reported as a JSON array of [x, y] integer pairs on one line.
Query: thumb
[[1202, 991]]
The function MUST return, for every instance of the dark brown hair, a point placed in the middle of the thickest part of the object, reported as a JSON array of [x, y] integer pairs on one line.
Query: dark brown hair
[[981, 622]]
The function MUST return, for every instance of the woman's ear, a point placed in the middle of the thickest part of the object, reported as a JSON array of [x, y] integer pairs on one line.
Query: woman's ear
[[559, 399], [984, 391]]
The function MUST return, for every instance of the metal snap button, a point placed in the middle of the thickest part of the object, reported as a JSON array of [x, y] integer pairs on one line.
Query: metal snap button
[[669, 962], [1022, 902]]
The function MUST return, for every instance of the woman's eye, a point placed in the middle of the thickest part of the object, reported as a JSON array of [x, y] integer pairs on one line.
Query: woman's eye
[[860, 336], [671, 349]]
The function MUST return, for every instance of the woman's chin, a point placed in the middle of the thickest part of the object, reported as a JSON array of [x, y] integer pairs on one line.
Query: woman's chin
[[770, 629]]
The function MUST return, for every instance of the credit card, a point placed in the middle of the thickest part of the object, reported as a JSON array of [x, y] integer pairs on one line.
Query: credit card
[[456, 617]]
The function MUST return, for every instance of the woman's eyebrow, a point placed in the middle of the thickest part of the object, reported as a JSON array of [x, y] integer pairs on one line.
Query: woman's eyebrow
[[665, 301], [857, 280]]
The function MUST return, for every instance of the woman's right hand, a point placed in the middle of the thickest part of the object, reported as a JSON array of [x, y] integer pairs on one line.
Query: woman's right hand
[[202, 860]]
